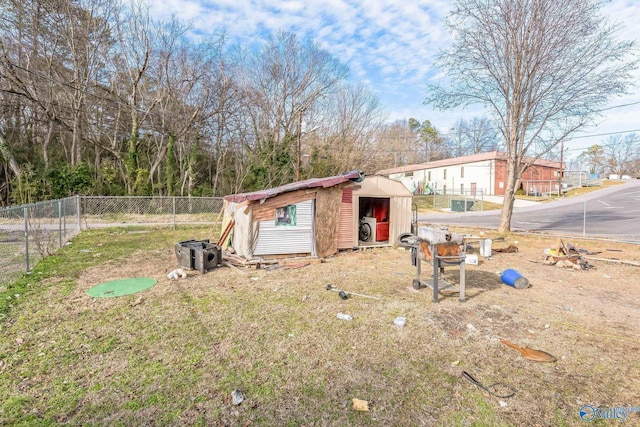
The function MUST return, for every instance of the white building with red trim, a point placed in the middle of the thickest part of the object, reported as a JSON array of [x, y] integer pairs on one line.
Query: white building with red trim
[[483, 172]]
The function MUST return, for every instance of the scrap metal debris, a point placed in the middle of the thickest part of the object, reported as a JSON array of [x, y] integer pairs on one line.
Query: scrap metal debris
[[509, 249], [237, 397], [501, 390], [529, 353], [568, 256], [345, 294]]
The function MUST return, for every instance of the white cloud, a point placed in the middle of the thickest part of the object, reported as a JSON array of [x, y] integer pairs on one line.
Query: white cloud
[[388, 44]]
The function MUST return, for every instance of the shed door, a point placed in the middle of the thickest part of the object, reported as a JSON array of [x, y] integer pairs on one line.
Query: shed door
[[345, 230], [288, 239]]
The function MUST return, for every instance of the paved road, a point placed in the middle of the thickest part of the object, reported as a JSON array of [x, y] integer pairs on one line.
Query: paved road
[[612, 212]]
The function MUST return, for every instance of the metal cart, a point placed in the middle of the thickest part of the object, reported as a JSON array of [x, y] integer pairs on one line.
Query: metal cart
[[442, 249]]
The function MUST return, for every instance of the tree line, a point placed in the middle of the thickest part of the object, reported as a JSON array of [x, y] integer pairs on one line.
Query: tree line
[[96, 97]]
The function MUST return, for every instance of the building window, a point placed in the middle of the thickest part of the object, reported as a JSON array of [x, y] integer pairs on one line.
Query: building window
[[286, 216], [445, 174], [462, 172], [461, 188], [429, 176], [408, 174]]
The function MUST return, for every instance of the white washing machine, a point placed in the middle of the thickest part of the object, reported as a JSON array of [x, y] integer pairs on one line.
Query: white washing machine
[[367, 231]]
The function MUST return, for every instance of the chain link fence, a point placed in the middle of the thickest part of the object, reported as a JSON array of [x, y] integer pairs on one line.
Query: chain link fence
[[463, 200], [101, 211], [28, 233]]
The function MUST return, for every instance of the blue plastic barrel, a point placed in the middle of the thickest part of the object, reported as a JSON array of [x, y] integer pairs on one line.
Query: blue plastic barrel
[[513, 278]]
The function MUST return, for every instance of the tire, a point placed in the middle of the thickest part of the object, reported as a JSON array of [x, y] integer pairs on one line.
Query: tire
[[364, 232], [403, 239]]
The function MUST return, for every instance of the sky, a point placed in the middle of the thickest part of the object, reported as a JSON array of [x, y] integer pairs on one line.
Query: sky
[[390, 46]]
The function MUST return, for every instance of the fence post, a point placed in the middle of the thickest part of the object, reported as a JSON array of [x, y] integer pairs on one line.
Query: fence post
[[26, 235], [174, 212], [584, 218], [64, 217], [59, 223], [79, 214]]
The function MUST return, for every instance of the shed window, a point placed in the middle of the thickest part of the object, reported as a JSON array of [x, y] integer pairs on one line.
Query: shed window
[[286, 216], [445, 174], [462, 172], [429, 176]]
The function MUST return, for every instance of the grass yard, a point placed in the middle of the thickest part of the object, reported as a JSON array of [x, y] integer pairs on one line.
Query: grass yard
[[173, 354]]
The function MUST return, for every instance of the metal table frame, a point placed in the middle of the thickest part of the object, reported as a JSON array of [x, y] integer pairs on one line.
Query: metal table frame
[[439, 262]]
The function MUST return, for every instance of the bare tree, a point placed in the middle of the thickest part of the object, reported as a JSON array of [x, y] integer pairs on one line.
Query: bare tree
[[621, 153], [7, 155], [350, 127], [185, 75], [83, 30], [593, 157], [157, 112], [397, 145], [542, 68], [133, 85], [478, 135], [283, 82], [29, 69]]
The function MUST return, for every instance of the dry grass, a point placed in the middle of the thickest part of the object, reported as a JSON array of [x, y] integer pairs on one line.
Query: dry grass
[[174, 357]]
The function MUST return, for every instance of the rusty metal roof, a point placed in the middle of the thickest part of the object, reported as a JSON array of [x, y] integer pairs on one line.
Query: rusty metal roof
[[330, 181]]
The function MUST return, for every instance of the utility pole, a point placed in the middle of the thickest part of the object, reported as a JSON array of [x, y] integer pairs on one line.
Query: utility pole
[[561, 171], [298, 154]]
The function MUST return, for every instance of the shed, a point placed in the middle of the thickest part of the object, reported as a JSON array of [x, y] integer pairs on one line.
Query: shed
[[374, 212], [316, 217]]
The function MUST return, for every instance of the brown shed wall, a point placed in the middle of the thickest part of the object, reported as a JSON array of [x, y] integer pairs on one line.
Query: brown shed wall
[[267, 210], [328, 220]]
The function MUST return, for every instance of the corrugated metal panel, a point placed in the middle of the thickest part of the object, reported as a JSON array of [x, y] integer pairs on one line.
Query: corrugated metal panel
[[346, 195], [345, 230], [274, 240], [298, 185]]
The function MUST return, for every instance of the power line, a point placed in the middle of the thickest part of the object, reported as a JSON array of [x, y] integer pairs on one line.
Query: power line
[[603, 134], [618, 106], [492, 129]]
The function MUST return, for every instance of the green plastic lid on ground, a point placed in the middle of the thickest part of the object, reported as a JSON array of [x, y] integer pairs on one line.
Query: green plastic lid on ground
[[118, 288]]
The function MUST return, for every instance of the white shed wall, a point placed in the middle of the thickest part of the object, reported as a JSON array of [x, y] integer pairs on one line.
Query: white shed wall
[[298, 239]]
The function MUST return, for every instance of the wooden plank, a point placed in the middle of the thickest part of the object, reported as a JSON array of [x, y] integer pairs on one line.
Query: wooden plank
[[267, 210], [615, 261], [233, 267], [225, 234], [327, 221]]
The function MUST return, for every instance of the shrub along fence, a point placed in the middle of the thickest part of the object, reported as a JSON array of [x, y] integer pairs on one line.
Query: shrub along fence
[[30, 232]]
